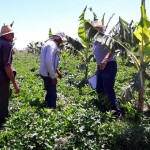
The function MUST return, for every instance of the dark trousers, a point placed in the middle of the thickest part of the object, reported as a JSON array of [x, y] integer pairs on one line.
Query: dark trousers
[[106, 81], [4, 99], [51, 93]]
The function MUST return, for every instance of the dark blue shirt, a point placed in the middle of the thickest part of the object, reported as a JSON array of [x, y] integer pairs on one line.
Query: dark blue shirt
[[5, 58]]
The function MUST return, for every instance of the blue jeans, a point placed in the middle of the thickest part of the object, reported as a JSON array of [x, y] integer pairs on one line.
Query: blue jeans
[[51, 93], [106, 81]]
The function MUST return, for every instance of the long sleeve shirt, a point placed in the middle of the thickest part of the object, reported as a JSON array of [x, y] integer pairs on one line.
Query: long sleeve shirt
[[49, 59]]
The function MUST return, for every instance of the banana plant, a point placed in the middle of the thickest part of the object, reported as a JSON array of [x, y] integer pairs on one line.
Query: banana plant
[[83, 46], [85, 40], [135, 42], [50, 32], [127, 40], [132, 42], [143, 35], [34, 47]]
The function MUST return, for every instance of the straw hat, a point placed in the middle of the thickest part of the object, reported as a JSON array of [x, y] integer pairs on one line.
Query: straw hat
[[61, 35], [6, 29]]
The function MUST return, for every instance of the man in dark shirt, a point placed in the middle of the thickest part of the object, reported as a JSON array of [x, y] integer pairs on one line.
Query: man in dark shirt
[[6, 70]]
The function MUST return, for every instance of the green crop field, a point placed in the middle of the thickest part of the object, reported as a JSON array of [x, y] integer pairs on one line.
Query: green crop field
[[79, 122]]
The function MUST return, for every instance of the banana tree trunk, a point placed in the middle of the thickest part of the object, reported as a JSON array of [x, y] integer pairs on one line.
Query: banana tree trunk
[[141, 93], [141, 99], [142, 79], [86, 61]]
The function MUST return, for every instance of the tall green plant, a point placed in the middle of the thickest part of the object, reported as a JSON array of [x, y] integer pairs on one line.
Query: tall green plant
[[85, 40], [34, 47], [86, 32], [143, 35], [126, 39]]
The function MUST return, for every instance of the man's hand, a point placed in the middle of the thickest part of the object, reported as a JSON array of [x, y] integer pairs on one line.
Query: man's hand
[[10, 74], [59, 73], [54, 81], [17, 89], [102, 65]]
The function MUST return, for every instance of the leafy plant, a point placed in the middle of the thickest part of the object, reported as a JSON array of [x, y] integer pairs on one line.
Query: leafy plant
[[34, 47], [127, 40], [83, 47], [78, 122], [143, 35]]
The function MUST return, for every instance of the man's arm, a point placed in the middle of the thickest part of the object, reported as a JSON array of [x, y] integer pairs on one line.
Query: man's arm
[[9, 72], [108, 56], [102, 65]]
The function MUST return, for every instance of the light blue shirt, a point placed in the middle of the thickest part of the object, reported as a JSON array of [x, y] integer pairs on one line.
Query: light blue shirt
[[49, 59], [100, 53]]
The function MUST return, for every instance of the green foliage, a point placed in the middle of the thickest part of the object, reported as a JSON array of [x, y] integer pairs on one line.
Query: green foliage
[[125, 39], [79, 122], [34, 47], [143, 35], [50, 32]]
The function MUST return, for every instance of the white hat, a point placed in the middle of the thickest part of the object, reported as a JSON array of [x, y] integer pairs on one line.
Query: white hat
[[61, 35], [6, 29], [98, 25]]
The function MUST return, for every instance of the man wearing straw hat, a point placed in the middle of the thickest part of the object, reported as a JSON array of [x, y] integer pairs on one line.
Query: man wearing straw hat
[[6, 70], [49, 61]]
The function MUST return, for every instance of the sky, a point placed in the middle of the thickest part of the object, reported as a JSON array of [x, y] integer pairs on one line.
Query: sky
[[33, 18]]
